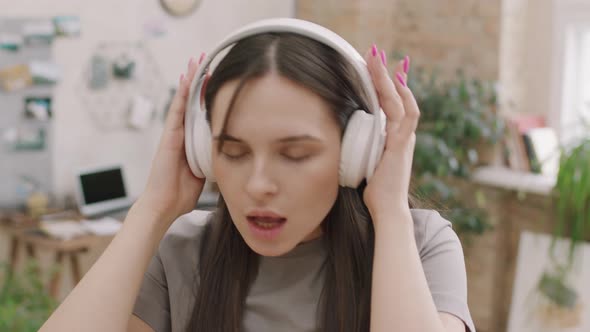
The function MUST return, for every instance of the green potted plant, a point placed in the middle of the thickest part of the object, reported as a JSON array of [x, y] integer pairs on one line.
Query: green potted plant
[[557, 284], [25, 304], [458, 119]]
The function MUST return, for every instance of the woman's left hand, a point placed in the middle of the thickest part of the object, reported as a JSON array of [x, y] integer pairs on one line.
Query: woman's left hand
[[387, 190]]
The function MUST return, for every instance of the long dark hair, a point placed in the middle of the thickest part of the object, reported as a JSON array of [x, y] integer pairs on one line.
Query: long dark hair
[[227, 266]]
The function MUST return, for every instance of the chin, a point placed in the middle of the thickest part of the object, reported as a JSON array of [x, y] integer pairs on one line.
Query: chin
[[268, 249]]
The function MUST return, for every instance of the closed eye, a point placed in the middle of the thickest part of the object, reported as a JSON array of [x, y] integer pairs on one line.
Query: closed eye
[[230, 156], [297, 158]]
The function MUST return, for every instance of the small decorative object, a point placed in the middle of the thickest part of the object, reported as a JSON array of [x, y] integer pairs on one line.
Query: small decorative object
[[99, 73], [68, 26], [30, 139], [9, 137], [42, 32], [123, 67], [141, 112], [10, 42], [38, 108], [154, 28], [180, 7], [119, 71], [44, 72], [15, 77], [37, 204]]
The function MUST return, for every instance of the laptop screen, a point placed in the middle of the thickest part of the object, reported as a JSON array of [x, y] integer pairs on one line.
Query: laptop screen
[[102, 186]]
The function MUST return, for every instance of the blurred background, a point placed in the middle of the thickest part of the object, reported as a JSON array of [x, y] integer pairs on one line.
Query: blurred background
[[503, 148]]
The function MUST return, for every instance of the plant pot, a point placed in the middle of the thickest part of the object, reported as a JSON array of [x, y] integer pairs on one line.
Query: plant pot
[[557, 302]]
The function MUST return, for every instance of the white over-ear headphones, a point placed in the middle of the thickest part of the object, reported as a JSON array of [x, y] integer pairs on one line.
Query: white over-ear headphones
[[364, 136]]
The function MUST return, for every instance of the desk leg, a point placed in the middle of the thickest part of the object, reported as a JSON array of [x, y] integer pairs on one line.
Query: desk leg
[[30, 251], [76, 274], [13, 252], [56, 278]]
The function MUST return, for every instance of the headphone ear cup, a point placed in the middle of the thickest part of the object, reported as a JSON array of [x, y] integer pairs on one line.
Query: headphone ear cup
[[202, 146], [356, 146]]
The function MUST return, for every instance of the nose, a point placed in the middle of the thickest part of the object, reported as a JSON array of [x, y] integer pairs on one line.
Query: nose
[[261, 185]]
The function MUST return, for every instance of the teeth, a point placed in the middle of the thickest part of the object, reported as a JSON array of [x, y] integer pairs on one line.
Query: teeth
[[266, 224], [263, 223]]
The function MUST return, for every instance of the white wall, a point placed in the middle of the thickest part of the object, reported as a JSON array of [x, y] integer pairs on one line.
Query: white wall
[[566, 69], [533, 64], [525, 56], [77, 142]]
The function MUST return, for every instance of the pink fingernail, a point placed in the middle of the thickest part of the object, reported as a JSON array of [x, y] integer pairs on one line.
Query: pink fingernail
[[202, 57], [383, 58], [400, 78], [190, 62], [374, 50], [406, 64], [181, 78]]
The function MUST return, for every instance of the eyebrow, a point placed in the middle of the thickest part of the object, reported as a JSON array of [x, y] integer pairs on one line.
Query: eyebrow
[[288, 139]]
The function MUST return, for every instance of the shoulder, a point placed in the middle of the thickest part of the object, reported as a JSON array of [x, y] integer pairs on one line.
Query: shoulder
[[431, 230], [182, 240], [443, 262]]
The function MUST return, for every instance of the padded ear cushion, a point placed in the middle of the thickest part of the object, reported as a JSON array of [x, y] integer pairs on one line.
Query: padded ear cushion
[[356, 146], [202, 146]]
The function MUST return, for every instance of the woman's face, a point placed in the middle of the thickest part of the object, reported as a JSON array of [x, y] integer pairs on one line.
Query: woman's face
[[278, 168]]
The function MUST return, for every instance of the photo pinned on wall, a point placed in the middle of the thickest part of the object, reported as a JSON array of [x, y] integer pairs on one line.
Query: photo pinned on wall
[[39, 32], [44, 72], [141, 113], [24, 139], [38, 108], [123, 67], [15, 77], [99, 73], [67, 26], [10, 42], [155, 28]]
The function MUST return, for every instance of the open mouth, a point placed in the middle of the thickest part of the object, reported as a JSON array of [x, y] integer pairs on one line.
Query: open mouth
[[266, 228], [267, 222]]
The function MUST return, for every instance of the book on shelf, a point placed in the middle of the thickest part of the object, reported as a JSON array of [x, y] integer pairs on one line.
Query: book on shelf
[[522, 152]]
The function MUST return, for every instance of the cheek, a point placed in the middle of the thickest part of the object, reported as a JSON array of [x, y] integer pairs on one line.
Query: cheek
[[226, 175], [316, 186]]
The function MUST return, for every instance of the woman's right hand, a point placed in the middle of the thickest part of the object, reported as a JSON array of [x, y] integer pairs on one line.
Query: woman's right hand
[[172, 189]]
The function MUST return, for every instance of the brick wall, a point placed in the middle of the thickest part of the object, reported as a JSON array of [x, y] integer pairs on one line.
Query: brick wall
[[487, 39], [448, 34]]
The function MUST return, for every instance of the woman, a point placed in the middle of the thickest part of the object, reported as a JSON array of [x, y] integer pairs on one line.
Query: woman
[[287, 249]]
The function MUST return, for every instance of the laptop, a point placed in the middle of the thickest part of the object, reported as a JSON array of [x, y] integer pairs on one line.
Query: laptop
[[101, 191]]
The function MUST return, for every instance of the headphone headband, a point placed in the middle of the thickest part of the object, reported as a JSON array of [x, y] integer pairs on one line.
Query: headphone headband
[[306, 29]]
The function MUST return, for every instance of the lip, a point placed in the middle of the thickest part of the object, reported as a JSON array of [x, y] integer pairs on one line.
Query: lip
[[264, 213], [262, 233]]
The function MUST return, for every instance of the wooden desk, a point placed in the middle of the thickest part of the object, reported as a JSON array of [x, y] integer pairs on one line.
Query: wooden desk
[[25, 232]]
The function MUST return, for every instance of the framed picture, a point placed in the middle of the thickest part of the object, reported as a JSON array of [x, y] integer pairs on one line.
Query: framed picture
[[29, 139], [67, 26], [543, 297], [38, 108]]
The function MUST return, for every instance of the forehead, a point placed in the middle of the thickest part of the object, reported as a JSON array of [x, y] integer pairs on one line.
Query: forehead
[[274, 104]]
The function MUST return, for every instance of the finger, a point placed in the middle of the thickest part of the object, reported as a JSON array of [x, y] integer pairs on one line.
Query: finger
[[175, 118], [193, 66], [409, 123], [389, 99]]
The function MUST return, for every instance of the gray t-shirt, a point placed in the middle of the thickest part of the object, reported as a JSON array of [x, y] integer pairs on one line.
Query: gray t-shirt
[[284, 297]]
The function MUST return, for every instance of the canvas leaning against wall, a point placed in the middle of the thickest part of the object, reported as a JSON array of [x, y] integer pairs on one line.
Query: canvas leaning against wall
[[531, 310]]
